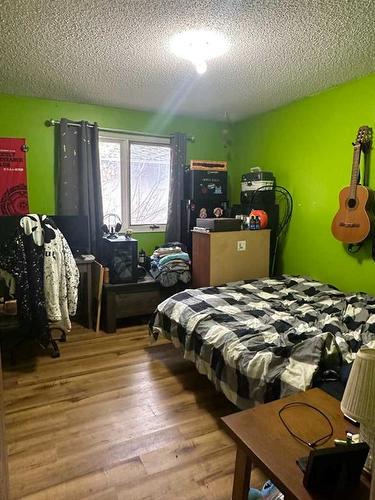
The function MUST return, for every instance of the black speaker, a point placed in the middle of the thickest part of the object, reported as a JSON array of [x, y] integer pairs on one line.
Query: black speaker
[[205, 186], [258, 187], [120, 255]]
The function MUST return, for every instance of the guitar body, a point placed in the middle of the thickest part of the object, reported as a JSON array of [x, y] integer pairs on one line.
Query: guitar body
[[352, 224]]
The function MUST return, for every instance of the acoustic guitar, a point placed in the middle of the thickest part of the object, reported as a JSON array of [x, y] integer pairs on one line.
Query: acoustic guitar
[[352, 224]]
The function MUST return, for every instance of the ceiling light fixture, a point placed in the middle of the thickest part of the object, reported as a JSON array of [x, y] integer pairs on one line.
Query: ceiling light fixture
[[198, 47]]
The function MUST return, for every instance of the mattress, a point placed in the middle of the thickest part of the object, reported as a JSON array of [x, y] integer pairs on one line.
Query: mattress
[[263, 339]]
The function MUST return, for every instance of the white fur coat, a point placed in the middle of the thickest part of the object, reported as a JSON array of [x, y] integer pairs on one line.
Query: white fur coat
[[61, 274]]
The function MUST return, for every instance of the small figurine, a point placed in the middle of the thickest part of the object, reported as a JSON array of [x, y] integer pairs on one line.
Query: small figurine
[[203, 213], [218, 212]]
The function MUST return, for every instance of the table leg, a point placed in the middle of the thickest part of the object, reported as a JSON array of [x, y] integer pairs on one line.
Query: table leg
[[89, 297], [242, 473]]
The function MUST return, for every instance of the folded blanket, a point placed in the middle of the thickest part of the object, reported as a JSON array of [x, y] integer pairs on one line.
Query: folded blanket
[[174, 256], [177, 265], [171, 278], [159, 252]]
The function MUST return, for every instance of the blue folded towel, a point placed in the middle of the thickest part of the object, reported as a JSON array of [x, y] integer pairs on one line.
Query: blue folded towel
[[174, 256]]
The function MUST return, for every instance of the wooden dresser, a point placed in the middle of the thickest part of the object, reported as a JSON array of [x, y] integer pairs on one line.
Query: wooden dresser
[[126, 300], [223, 257]]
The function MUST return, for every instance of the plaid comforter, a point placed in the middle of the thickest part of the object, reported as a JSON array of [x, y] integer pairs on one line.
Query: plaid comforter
[[263, 339]]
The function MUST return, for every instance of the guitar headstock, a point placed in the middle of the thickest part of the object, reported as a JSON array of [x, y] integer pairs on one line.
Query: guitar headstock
[[364, 138]]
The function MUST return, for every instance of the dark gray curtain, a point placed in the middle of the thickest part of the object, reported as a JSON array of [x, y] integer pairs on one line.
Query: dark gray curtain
[[176, 187], [79, 187]]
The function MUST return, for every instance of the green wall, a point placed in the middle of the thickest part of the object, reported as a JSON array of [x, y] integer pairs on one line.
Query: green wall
[[25, 117], [308, 145]]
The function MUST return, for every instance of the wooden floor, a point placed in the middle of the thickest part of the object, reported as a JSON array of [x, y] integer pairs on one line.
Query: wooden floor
[[116, 418]]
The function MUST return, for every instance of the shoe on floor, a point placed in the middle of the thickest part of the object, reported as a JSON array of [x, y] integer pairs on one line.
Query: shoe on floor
[[254, 494], [270, 492]]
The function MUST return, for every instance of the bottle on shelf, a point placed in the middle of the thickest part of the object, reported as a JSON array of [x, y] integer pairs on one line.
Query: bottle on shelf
[[142, 257], [252, 223]]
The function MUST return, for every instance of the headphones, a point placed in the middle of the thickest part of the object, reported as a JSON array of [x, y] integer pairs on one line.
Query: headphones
[[112, 225]]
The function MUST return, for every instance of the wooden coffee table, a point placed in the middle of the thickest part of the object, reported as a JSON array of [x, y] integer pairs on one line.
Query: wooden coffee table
[[261, 437]]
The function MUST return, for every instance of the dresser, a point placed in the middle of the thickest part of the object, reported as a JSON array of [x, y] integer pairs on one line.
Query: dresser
[[222, 257], [126, 300]]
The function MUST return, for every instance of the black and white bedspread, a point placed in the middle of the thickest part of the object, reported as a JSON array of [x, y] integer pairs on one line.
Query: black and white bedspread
[[266, 338]]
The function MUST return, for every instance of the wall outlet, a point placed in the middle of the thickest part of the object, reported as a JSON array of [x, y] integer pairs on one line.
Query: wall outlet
[[241, 246]]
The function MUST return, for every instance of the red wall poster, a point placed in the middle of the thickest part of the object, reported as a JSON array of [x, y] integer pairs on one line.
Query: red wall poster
[[13, 181]]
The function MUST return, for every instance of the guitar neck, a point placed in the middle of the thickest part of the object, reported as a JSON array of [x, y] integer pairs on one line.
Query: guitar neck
[[355, 171]]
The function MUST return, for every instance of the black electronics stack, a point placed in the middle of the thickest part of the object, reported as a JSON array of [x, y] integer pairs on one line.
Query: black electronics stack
[[205, 196], [258, 193], [120, 255]]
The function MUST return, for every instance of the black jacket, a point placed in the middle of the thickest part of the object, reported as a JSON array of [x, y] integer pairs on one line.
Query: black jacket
[[25, 261]]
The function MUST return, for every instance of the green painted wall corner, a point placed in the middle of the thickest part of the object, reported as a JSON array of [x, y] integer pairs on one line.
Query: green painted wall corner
[[308, 146]]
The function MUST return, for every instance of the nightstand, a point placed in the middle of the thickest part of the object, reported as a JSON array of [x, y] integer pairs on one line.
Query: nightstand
[[261, 438]]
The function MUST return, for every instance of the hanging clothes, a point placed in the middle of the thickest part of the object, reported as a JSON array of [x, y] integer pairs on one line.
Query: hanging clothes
[[24, 260], [61, 274], [61, 280]]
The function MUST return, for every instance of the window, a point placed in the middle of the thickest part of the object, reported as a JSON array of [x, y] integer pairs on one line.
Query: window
[[135, 180]]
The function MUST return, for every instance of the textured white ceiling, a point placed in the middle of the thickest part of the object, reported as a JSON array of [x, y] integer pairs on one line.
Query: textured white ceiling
[[115, 52]]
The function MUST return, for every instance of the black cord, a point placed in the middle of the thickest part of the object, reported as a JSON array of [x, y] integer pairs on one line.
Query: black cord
[[317, 442], [284, 216], [287, 200]]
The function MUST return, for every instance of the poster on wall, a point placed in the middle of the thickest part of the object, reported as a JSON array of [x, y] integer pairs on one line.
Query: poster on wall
[[13, 180]]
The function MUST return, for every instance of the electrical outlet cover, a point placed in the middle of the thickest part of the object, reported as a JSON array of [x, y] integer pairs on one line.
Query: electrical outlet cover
[[241, 246]]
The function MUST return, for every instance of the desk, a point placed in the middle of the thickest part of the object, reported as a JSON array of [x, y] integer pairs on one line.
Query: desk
[[261, 437]]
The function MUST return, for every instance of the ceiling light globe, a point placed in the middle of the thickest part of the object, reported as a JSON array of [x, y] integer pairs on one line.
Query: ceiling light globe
[[199, 46], [201, 67]]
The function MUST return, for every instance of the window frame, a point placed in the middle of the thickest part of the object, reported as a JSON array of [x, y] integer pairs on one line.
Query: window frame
[[125, 141]]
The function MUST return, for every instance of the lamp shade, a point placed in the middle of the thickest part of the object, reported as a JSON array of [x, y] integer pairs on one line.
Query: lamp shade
[[358, 401]]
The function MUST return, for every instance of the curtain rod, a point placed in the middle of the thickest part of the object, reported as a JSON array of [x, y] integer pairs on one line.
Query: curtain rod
[[52, 123]]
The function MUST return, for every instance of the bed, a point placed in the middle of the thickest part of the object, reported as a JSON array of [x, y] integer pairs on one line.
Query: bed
[[263, 339]]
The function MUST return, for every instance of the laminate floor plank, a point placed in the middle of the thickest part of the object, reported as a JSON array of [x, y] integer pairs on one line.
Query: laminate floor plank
[[116, 418], [185, 451], [134, 378]]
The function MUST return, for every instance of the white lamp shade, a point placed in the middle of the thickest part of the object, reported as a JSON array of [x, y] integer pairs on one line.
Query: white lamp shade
[[358, 401]]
